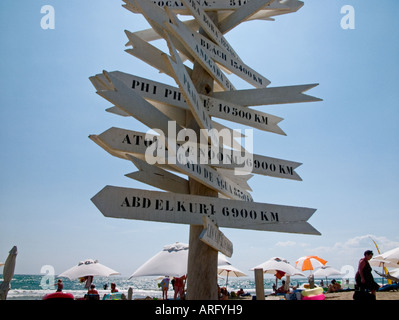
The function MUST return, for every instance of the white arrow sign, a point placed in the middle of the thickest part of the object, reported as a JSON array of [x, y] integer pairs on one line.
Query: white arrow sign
[[191, 95], [147, 205], [210, 28], [118, 142], [274, 8], [200, 46], [132, 103], [203, 173], [214, 238], [242, 14], [165, 94], [157, 177], [267, 96]]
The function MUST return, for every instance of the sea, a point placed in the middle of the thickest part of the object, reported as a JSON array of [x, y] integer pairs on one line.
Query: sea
[[35, 287]]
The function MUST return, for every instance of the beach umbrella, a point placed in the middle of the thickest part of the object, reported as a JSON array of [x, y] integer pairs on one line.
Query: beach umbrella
[[277, 264], [227, 270], [171, 261], [391, 255], [1, 264], [8, 272], [310, 263], [326, 271], [393, 275], [86, 268], [382, 263]]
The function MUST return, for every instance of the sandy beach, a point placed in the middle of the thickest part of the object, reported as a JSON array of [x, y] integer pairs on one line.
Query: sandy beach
[[388, 295], [348, 295]]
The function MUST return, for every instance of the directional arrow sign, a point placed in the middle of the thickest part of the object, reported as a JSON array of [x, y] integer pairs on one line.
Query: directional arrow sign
[[133, 104], [266, 96], [214, 238], [157, 177], [203, 173], [215, 5], [242, 14], [199, 46], [190, 93], [210, 28], [166, 94], [120, 141], [147, 205]]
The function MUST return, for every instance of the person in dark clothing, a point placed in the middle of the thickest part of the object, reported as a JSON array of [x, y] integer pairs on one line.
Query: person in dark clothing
[[364, 278]]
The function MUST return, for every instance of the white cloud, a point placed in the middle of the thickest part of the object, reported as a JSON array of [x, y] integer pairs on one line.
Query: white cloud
[[351, 250], [291, 244]]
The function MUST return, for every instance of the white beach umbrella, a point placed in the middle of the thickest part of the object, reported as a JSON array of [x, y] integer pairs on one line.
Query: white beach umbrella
[[394, 276], [1, 264], [8, 272], [391, 255], [395, 273], [171, 261], [227, 270], [88, 267], [278, 264], [326, 271], [382, 263]]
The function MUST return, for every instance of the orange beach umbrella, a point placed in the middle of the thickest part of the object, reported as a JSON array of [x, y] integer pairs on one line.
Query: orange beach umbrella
[[310, 263]]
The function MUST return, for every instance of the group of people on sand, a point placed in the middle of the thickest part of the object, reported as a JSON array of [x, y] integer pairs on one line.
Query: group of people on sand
[[178, 284], [223, 294], [365, 288], [91, 292]]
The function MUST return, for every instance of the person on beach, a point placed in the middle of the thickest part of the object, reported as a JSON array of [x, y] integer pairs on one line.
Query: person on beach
[[334, 286], [60, 285], [280, 289], [165, 287], [92, 290], [179, 287], [364, 279], [224, 294], [113, 288]]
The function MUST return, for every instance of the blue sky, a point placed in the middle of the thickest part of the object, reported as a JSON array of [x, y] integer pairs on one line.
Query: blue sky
[[49, 168]]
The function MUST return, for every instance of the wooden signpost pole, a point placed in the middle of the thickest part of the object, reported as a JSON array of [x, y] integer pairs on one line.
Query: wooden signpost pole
[[202, 277]]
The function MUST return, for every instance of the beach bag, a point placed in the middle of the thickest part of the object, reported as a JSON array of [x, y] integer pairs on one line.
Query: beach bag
[[363, 295]]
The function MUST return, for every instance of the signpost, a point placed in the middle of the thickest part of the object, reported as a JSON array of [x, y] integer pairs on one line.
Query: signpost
[[214, 238], [136, 204], [216, 193]]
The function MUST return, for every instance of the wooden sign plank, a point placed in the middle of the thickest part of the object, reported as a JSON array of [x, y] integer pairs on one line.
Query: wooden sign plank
[[153, 56], [147, 205], [210, 28], [214, 238], [148, 53], [214, 5], [190, 93], [157, 177], [172, 96], [203, 173], [267, 96], [243, 115], [158, 19], [198, 45], [133, 104], [204, 59], [120, 141], [242, 14]]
